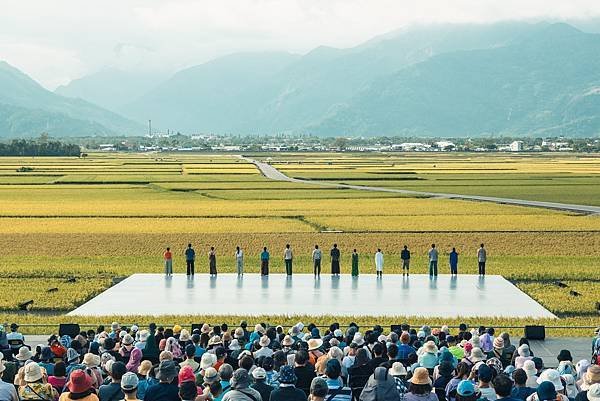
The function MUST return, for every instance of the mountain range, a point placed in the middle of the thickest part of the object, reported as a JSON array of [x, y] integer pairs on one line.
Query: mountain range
[[511, 78]]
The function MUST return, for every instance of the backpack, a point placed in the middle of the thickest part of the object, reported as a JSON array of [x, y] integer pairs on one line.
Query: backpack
[[380, 387]]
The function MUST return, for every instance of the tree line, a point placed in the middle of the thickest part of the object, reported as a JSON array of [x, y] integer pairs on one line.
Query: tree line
[[38, 147]]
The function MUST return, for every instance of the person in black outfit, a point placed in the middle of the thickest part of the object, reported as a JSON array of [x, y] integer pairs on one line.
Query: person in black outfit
[[260, 384], [335, 260], [287, 391], [359, 372], [305, 372], [378, 357], [405, 256]]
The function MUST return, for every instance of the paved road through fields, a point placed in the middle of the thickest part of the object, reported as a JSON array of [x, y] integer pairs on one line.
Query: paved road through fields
[[271, 172]]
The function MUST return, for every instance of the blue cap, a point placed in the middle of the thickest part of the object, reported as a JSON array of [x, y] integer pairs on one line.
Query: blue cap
[[465, 388]]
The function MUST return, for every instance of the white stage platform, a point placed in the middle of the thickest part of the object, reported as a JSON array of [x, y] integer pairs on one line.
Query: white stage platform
[[393, 295]]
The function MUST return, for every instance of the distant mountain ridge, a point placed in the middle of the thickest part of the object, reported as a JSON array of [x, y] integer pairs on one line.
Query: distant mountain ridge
[[27, 109], [510, 78]]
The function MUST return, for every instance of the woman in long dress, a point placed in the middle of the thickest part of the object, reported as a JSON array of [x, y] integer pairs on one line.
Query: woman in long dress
[[239, 261], [379, 263], [335, 261], [354, 263], [212, 261]]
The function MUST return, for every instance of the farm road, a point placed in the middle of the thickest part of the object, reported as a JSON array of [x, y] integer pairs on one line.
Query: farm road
[[272, 173]]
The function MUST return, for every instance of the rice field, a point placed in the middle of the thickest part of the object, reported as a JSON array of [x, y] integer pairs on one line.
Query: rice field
[[111, 215]]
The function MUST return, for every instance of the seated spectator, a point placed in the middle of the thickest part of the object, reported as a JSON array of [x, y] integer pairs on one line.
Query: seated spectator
[[79, 387], [240, 388], [46, 360], [359, 373], [462, 373], [593, 392], [531, 371], [485, 376], [112, 391], [381, 386], [59, 378], [145, 379], [590, 377], [7, 390], [34, 386], [420, 386], [546, 392], [520, 390], [287, 390], [260, 383], [190, 355], [398, 372], [225, 373], [165, 389], [524, 355], [466, 391], [503, 388], [318, 390], [304, 371], [337, 391], [129, 386]]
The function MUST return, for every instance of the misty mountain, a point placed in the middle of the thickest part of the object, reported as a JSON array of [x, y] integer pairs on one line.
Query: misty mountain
[[227, 95], [546, 83], [27, 109], [111, 88]]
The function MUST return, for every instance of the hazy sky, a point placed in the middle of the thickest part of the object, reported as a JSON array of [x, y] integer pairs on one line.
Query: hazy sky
[[59, 40]]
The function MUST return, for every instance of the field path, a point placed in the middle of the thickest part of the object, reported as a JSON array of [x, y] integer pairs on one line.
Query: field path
[[272, 173]]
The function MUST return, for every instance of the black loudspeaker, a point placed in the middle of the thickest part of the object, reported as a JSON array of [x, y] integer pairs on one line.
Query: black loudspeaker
[[69, 329], [396, 328], [535, 332]]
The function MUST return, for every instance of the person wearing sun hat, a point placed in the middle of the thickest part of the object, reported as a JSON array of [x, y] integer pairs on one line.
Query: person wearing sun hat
[[264, 349], [398, 372], [287, 390], [419, 388], [260, 376], [240, 388], [551, 375], [466, 391], [429, 355], [145, 380], [79, 387], [544, 392], [485, 375], [34, 386], [592, 376], [592, 393], [166, 389]]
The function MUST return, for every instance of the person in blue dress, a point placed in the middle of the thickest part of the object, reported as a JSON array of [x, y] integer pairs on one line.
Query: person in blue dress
[[264, 262]]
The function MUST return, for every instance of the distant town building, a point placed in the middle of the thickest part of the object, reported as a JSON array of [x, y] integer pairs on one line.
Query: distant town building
[[516, 146]]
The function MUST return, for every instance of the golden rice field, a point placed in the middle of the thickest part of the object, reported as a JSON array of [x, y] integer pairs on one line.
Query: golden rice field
[[111, 215]]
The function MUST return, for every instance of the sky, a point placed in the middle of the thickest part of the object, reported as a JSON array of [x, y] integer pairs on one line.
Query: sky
[[60, 40]]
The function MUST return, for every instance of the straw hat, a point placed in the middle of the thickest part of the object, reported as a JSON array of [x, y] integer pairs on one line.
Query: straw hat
[[33, 372], [24, 354], [91, 360], [145, 368], [205, 328], [184, 336], [176, 329], [211, 375], [420, 376], [398, 369], [259, 329], [288, 341], [227, 337], [215, 340], [314, 343], [430, 347], [264, 341], [239, 333]]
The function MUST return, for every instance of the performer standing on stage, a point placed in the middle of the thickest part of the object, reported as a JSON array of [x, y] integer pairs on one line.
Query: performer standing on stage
[[168, 257], [212, 261], [264, 262], [481, 258], [287, 258], [405, 256], [239, 261], [379, 263], [433, 259], [335, 260], [453, 262], [354, 263], [316, 257], [190, 256]]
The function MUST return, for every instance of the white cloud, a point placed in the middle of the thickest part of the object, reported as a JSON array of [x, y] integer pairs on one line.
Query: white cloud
[[58, 40]]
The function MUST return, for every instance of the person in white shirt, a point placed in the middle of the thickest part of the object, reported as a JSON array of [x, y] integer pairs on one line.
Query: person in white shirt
[[239, 260], [481, 258], [316, 257], [264, 349], [433, 260], [287, 258], [379, 263]]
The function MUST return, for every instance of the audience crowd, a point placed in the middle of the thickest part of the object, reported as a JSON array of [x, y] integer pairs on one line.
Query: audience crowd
[[266, 363]]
